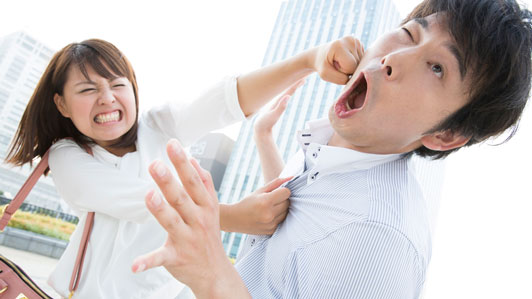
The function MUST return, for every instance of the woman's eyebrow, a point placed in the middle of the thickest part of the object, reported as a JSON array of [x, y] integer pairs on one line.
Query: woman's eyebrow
[[85, 82]]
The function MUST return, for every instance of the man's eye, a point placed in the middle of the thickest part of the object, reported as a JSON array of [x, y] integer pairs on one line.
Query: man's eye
[[437, 69], [408, 32], [86, 90]]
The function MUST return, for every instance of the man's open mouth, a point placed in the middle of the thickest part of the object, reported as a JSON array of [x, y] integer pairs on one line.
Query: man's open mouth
[[353, 99]]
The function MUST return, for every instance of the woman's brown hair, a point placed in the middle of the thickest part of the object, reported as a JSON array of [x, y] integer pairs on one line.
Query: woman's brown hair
[[42, 124]]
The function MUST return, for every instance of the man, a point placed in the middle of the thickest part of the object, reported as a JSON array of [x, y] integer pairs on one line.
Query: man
[[455, 73]]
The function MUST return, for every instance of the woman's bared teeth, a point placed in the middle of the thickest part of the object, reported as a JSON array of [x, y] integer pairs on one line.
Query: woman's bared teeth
[[108, 117]]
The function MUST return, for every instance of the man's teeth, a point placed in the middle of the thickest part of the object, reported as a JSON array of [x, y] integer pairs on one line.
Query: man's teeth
[[103, 118], [351, 96], [347, 105]]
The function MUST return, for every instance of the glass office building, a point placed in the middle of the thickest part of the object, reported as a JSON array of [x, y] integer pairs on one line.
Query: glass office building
[[301, 24], [23, 59]]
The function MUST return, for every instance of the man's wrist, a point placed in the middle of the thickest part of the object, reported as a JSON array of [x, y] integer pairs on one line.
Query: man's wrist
[[228, 285], [223, 282]]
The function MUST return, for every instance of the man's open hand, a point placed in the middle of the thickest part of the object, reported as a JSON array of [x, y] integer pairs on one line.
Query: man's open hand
[[193, 252]]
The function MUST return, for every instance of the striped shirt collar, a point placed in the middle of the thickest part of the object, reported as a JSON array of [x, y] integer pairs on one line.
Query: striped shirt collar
[[321, 159]]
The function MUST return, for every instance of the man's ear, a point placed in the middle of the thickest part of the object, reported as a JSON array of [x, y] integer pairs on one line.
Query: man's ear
[[444, 140], [60, 104]]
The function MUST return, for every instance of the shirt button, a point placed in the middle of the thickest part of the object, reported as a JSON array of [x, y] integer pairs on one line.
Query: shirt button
[[314, 155], [314, 176], [252, 241]]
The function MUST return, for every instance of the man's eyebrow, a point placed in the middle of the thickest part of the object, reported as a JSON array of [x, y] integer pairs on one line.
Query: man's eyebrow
[[459, 59], [451, 47]]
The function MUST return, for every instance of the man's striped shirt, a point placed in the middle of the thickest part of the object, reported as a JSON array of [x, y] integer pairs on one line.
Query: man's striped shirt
[[357, 227]]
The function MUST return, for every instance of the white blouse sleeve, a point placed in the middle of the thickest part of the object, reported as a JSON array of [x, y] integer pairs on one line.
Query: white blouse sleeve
[[86, 184], [216, 108]]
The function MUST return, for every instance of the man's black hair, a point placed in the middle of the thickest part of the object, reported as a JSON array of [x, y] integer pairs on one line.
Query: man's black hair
[[494, 38]]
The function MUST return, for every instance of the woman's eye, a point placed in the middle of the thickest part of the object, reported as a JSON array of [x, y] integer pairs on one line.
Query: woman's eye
[[119, 85], [87, 90], [408, 32], [437, 69]]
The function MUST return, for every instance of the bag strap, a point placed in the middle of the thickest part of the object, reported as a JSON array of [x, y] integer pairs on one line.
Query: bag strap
[[19, 199], [78, 266], [24, 191]]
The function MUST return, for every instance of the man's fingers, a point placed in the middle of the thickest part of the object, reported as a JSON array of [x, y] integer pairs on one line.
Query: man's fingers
[[172, 190], [151, 260], [167, 216], [187, 173], [274, 184], [205, 177]]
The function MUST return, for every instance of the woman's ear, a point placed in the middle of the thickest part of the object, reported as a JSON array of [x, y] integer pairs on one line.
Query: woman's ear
[[60, 104], [444, 140]]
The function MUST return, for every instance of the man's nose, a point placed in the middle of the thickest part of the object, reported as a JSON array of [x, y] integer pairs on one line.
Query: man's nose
[[393, 64], [106, 96]]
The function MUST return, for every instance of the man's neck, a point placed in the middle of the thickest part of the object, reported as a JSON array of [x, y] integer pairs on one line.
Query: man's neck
[[338, 141]]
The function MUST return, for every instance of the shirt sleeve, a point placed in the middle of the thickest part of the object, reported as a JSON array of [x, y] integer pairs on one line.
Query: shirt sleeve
[[88, 185], [363, 260], [215, 108]]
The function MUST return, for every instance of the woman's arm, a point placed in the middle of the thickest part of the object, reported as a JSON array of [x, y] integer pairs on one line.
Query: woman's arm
[[270, 158], [259, 213], [232, 100], [334, 62]]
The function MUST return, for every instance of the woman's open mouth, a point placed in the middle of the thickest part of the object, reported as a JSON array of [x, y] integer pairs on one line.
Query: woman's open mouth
[[353, 99], [103, 118]]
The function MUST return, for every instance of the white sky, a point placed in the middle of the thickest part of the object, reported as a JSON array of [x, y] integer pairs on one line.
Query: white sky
[[483, 244]]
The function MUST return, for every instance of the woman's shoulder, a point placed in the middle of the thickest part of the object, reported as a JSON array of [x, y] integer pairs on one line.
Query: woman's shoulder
[[64, 145], [66, 148]]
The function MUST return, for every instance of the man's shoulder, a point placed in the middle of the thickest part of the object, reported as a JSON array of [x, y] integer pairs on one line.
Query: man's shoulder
[[404, 195], [361, 257], [359, 235]]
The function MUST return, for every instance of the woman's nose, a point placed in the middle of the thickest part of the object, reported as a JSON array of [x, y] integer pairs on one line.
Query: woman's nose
[[106, 97]]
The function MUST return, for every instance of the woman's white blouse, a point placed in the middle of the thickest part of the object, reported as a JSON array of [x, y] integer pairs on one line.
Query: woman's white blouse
[[115, 187]]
